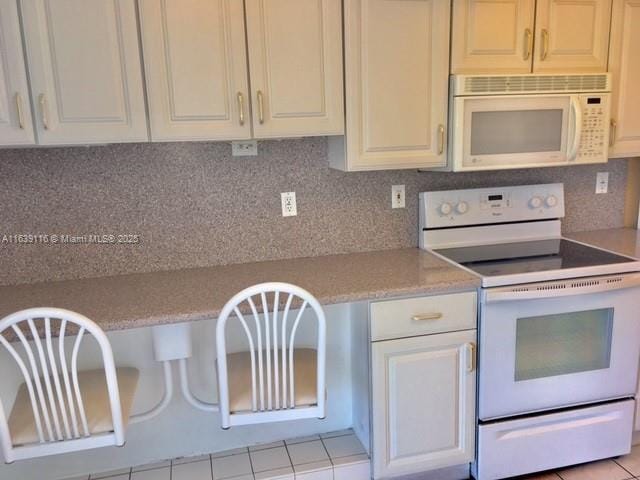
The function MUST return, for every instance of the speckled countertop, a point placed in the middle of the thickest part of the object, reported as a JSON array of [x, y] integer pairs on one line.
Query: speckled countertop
[[625, 241], [141, 300]]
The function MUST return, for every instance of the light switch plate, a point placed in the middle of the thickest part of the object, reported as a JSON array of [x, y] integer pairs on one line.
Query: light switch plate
[[397, 196], [602, 182], [244, 148]]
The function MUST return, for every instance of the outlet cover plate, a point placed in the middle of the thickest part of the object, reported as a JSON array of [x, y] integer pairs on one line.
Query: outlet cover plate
[[244, 148], [289, 207]]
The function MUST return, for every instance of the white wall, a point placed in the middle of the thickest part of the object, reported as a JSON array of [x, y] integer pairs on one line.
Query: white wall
[[180, 430]]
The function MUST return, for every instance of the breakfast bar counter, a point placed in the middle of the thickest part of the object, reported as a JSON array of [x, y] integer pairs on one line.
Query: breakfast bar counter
[[160, 298]]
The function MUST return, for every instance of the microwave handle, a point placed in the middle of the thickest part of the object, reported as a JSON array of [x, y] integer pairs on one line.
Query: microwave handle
[[576, 109], [562, 289]]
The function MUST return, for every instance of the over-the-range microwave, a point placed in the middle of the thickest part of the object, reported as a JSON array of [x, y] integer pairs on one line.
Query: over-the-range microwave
[[523, 121]]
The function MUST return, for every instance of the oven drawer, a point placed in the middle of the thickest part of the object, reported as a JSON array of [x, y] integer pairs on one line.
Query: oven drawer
[[423, 316], [555, 440]]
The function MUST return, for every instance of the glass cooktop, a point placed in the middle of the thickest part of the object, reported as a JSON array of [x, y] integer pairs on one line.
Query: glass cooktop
[[528, 257]]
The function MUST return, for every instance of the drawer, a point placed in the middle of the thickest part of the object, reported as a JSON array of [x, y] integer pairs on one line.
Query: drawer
[[423, 316], [574, 436]]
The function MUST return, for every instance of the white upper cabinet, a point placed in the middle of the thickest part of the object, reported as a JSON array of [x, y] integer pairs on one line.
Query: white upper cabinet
[[423, 392], [492, 36], [625, 67], [196, 69], [396, 74], [16, 125], [295, 58], [85, 69], [572, 36], [498, 36]]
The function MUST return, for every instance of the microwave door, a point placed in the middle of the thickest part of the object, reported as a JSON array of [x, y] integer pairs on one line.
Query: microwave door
[[514, 131]]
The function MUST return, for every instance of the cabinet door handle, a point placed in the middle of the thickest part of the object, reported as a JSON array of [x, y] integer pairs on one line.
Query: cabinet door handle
[[471, 357], [260, 107], [545, 44], [528, 44], [612, 132], [423, 317], [241, 108], [20, 111], [440, 139], [44, 110]]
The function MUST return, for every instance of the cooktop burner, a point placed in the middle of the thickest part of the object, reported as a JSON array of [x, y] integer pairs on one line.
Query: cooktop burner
[[532, 256]]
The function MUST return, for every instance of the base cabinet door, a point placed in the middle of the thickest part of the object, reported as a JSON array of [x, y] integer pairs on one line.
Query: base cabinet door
[[624, 65], [572, 36], [16, 126], [396, 84], [295, 59], [196, 69], [85, 69], [423, 403], [492, 36]]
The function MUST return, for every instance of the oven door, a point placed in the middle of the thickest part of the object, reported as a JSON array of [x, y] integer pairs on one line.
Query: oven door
[[558, 344], [508, 131]]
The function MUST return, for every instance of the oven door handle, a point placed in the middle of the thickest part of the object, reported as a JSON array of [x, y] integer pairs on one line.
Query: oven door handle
[[561, 289]]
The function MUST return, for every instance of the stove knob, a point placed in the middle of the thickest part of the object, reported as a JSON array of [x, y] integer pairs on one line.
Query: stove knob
[[462, 208], [535, 202], [551, 201], [445, 209]]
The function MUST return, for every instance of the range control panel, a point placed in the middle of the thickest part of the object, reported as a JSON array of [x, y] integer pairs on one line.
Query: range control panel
[[594, 141], [486, 206]]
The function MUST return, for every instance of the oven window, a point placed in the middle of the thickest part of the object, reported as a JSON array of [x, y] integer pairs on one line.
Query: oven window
[[552, 345], [516, 131]]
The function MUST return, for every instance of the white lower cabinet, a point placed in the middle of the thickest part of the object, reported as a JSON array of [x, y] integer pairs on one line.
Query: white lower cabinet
[[423, 403]]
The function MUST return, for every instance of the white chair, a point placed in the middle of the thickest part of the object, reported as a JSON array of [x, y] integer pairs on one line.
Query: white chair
[[274, 380], [59, 409]]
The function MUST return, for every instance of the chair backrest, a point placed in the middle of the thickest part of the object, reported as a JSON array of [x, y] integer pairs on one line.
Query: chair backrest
[[272, 349], [51, 377]]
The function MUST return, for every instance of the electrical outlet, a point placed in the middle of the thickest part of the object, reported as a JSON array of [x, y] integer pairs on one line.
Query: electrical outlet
[[397, 196], [602, 182], [244, 148], [289, 207]]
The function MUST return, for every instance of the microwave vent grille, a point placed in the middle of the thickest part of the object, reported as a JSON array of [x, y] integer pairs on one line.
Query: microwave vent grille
[[534, 83]]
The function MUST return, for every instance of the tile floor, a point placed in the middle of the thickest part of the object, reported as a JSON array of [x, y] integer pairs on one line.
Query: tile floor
[[331, 456]]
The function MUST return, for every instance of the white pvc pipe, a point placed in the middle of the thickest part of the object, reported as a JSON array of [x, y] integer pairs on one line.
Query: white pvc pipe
[[166, 399], [186, 391]]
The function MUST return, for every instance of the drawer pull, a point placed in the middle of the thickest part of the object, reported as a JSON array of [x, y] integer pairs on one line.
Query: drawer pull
[[426, 316]]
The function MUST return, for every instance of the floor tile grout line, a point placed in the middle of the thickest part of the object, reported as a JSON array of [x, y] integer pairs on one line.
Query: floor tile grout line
[[633, 475]]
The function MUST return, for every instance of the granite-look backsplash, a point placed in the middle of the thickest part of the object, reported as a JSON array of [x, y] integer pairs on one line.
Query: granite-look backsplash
[[192, 205]]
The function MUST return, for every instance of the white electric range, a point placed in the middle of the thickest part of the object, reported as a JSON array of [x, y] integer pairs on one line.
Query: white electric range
[[559, 328]]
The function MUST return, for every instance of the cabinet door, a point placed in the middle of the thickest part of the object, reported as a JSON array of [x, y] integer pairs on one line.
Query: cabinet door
[[572, 36], [85, 69], [625, 68], [16, 125], [196, 69], [396, 70], [492, 36], [295, 58], [423, 399]]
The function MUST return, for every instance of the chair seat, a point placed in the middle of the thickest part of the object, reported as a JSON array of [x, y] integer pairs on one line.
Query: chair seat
[[240, 385], [95, 396]]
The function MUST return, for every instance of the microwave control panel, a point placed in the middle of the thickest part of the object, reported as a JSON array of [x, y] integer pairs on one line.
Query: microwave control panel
[[594, 141]]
